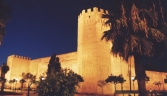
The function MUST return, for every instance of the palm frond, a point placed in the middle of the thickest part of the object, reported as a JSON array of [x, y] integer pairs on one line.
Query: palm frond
[[123, 18], [135, 18], [151, 15], [147, 47], [111, 18], [162, 15], [106, 16], [134, 31], [107, 35], [134, 43], [126, 50], [156, 34], [142, 25], [5, 12]]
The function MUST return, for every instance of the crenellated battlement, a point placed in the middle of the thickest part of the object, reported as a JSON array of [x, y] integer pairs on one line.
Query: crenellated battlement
[[92, 10], [92, 16], [21, 57]]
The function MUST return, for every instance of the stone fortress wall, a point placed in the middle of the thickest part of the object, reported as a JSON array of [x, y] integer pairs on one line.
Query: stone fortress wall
[[17, 65], [92, 60], [20, 64]]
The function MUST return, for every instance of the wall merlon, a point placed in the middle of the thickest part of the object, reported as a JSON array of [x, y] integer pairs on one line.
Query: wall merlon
[[101, 10], [21, 57], [95, 9], [89, 10], [83, 11]]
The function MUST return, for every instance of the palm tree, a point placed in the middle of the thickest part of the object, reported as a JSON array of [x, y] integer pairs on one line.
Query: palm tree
[[22, 81], [121, 80], [101, 84], [11, 83], [30, 79], [113, 79], [136, 30], [5, 12], [4, 70]]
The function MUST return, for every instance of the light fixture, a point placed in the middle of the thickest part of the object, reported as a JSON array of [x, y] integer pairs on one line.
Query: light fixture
[[133, 78], [43, 78]]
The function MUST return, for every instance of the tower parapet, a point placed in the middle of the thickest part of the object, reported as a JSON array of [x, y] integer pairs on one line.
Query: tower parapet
[[92, 10], [92, 15]]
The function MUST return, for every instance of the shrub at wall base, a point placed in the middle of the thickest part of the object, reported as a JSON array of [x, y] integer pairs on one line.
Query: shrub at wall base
[[62, 83]]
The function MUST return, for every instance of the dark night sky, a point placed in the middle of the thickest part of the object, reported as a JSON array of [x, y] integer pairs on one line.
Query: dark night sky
[[39, 28]]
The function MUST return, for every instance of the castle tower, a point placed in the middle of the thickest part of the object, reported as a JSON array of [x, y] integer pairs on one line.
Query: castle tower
[[94, 56]]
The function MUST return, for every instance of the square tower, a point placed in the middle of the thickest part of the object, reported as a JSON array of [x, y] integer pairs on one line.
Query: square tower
[[94, 58]]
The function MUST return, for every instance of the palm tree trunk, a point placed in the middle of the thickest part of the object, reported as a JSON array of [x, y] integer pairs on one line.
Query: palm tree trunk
[[13, 86], [28, 90], [140, 74], [3, 84], [21, 87], [122, 88], [115, 88], [3, 81]]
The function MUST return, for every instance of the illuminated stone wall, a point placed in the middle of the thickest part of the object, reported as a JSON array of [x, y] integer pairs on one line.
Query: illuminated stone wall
[[17, 65], [69, 60], [20, 64], [156, 77], [92, 60], [93, 54], [34, 66], [40, 65]]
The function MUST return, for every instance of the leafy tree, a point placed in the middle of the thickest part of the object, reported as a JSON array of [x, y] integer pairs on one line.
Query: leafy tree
[[136, 29], [62, 83], [29, 78], [58, 82], [4, 70], [54, 64]]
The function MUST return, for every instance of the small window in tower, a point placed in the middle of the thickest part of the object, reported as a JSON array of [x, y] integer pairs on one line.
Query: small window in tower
[[89, 16]]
